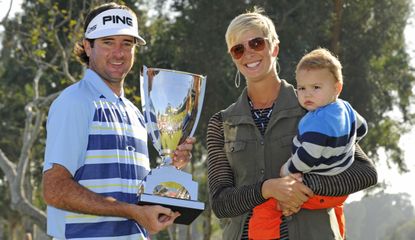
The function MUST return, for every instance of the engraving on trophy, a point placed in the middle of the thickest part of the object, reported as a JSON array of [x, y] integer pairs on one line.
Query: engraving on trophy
[[172, 102], [171, 189]]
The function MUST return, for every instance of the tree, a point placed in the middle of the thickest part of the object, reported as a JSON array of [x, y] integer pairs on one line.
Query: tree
[[367, 37], [403, 231], [381, 215], [39, 43], [188, 35], [376, 63]]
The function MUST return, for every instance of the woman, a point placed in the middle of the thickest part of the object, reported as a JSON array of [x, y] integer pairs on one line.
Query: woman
[[250, 140]]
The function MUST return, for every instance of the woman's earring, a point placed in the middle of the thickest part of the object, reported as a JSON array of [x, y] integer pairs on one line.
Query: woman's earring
[[237, 79], [278, 66]]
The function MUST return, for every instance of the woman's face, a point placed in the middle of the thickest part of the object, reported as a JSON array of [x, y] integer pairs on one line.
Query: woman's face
[[255, 65]]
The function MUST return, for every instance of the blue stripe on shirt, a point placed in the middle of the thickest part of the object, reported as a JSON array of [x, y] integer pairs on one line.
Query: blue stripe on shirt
[[324, 140], [328, 121], [102, 229], [311, 161], [109, 115], [361, 131], [106, 142], [347, 161], [111, 170], [122, 197]]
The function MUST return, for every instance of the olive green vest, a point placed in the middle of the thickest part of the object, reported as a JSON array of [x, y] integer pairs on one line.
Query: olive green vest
[[254, 158]]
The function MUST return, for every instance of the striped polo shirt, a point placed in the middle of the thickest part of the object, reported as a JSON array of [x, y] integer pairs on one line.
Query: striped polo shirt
[[101, 140], [326, 140]]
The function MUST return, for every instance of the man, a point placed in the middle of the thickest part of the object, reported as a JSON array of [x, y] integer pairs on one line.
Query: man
[[96, 149]]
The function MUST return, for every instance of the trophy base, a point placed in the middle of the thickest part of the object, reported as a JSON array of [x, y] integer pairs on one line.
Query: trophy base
[[188, 209]]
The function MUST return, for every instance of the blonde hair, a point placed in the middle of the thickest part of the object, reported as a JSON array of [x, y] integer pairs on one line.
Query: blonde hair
[[321, 58], [251, 20]]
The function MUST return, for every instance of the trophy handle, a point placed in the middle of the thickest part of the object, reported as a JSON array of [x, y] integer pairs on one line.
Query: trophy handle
[[199, 107], [151, 129]]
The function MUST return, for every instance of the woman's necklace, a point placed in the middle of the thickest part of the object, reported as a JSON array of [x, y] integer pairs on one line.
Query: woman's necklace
[[267, 104], [261, 116], [260, 112]]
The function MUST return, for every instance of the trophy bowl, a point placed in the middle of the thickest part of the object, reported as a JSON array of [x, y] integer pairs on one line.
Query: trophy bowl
[[171, 103]]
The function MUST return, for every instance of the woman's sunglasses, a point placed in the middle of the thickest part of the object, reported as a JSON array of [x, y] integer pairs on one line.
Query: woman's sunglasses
[[257, 44]]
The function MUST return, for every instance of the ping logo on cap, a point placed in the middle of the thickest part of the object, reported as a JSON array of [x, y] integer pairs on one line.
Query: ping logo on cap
[[91, 29], [117, 19], [114, 22]]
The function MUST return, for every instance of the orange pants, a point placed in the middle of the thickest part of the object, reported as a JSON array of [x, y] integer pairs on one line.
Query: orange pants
[[266, 219]]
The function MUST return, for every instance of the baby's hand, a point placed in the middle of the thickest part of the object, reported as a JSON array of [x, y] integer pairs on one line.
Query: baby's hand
[[297, 176], [286, 211], [284, 170]]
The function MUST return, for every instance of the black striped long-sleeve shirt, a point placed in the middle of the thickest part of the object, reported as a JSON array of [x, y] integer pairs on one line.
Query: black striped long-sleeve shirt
[[229, 201]]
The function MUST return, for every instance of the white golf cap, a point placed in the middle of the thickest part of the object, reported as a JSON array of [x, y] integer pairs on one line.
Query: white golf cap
[[114, 22]]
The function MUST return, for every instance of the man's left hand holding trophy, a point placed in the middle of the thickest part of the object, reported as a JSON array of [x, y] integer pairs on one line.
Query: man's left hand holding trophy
[[183, 153], [182, 157]]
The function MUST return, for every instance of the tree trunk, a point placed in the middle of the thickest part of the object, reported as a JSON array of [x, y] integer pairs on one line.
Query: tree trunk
[[336, 33], [207, 222]]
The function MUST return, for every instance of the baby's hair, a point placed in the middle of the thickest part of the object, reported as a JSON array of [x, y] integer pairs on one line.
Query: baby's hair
[[321, 58]]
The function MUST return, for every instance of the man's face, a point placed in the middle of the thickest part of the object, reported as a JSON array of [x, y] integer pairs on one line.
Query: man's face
[[111, 57]]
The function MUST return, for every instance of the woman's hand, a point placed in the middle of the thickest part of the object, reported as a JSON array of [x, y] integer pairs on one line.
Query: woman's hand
[[290, 192], [183, 155]]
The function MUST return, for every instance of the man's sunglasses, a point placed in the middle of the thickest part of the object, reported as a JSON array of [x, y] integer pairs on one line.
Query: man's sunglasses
[[257, 44]]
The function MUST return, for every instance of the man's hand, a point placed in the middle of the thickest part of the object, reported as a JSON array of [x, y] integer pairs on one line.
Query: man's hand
[[153, 218], [183, 155]]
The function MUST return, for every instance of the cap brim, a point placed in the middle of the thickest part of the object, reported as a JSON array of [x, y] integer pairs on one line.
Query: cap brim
[[111, 32]]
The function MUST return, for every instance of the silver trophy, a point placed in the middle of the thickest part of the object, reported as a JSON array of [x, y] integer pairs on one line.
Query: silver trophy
[[172, 102]]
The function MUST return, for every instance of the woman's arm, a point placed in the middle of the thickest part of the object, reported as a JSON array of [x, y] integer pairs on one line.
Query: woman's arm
[[230, 201], [227, 200], [360, 175]]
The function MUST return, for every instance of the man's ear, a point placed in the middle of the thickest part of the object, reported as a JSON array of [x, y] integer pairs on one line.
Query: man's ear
[[87, 46]]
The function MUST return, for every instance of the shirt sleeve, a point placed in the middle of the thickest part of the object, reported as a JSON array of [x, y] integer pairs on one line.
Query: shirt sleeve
[[361, 126], [67, 134], [360, 175], [226, 199], [317, 132]]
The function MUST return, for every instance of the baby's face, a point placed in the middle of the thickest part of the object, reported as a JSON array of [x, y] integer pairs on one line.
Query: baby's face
[[316, 88]]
